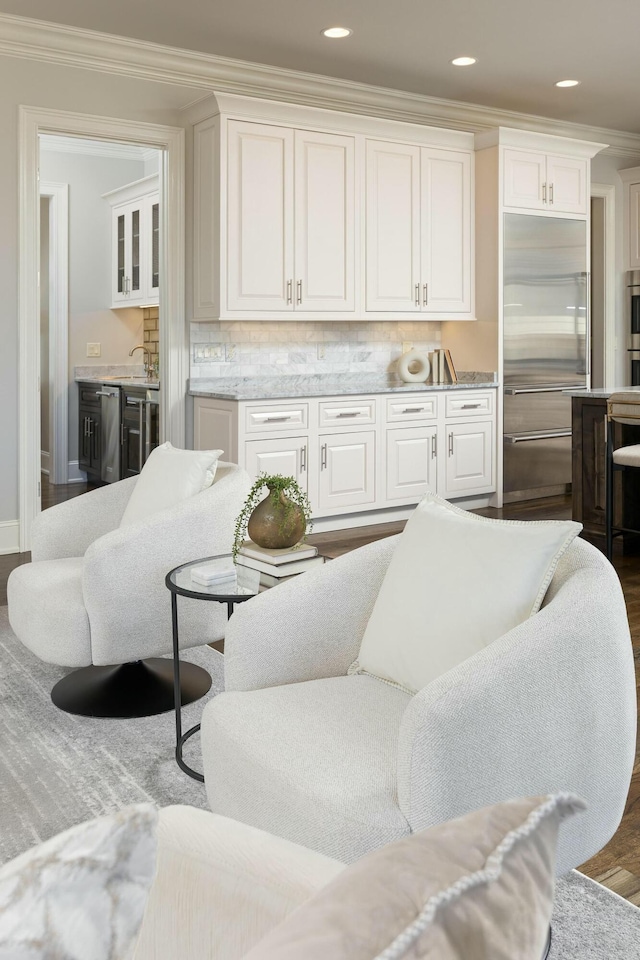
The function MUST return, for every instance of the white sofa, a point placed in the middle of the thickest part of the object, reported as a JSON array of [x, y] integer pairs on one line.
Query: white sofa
[[95, 594], [343, 764]]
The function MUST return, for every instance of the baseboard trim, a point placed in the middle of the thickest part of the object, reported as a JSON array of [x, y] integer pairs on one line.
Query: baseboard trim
[[74, 474], [386, 515], [9, 536]]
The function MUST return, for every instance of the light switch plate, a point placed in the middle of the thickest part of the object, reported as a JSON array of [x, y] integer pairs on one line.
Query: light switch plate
[[208, 352], [94, 349]]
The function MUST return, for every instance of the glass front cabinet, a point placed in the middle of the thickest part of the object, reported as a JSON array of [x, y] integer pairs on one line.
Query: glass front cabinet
[[135, 230]]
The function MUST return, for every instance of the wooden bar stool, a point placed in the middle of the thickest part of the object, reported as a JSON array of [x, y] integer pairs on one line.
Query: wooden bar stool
[[621, 408]]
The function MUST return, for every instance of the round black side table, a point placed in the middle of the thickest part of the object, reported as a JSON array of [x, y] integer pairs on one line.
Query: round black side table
[[179, 582]]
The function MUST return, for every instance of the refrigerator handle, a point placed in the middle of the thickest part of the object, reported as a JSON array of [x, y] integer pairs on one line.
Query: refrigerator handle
[[587, 331]]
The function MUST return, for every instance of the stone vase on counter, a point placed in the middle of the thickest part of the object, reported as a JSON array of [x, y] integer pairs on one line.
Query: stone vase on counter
[[276, 522]]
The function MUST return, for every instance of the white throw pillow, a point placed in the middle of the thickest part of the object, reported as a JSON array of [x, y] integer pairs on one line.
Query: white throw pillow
[[456, 582], [169, 476], [81, 895]]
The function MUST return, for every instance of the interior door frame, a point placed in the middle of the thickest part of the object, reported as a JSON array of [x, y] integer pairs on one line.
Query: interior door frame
[[58, 195], [174, 355], [607, 192]]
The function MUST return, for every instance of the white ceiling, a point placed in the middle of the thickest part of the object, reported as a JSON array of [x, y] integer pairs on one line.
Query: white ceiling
[[522, 46]]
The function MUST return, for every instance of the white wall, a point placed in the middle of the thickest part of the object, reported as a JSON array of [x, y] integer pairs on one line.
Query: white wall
[[90, 318], [604, 169], [63, 88]]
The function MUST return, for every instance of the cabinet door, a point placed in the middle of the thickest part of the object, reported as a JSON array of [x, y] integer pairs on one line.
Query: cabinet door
[[84, 440], [446, 232], [151, 279], [567, 184], [469, 458], [411, 462], [95, 435], [347, 471], [324, 221], [288, 457], [393, 227], [524, 177], [127, 240], [259, 217]]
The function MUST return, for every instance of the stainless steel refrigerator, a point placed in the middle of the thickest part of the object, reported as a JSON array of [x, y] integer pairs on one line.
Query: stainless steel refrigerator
[[546, 333]]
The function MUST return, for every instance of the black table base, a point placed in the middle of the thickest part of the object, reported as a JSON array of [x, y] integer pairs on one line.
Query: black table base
[[140, 689]]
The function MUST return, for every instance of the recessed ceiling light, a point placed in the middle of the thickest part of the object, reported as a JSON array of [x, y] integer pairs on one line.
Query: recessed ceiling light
[[337, 33], [463, 61], [567, 83]]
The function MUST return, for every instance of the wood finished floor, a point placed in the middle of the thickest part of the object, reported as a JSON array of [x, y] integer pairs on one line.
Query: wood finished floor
[[617, 866]]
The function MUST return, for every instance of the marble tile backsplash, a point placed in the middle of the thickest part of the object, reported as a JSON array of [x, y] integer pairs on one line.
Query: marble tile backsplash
[[224, 348]]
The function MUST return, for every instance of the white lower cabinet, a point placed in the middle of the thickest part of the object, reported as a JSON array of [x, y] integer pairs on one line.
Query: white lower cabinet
[[347, 471], [287, 456], [469, 458], [411, 467], [356, 455]]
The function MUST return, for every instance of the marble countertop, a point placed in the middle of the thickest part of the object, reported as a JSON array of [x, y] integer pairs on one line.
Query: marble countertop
[[599, 393], [319, 385], [115, 375]]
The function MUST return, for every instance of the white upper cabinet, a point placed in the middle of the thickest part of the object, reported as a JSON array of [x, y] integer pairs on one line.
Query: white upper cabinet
[[446, 232], [307, 214], [393, 227], [543, 181], [418, 230], [324, 222], [135, 243], [290, 220], [260, 217]]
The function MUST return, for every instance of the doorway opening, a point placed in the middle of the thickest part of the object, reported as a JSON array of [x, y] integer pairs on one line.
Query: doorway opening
[[172, 338], [100, 224]]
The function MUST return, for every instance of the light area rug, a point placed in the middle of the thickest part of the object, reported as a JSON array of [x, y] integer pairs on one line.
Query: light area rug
[[57, 770]]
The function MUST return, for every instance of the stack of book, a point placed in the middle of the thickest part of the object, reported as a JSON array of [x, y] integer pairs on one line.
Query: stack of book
[[442, 368], [276, 566]]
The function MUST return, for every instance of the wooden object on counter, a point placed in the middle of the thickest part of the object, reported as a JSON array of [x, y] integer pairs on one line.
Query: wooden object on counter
[[588, 471]]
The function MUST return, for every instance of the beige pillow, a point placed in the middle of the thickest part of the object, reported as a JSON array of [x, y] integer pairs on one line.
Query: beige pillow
[[477, 888], [169, 476], [456, 582]]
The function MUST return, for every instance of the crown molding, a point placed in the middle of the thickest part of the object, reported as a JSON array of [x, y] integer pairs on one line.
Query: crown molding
[[95, 148], [105, 53], [528, 140]]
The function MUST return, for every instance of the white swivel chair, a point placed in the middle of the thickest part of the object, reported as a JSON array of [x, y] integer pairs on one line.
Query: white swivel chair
[[94, 595], [344, 764]]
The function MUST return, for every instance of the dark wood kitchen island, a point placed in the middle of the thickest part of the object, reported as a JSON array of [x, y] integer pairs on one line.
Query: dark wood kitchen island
[[588, 445]]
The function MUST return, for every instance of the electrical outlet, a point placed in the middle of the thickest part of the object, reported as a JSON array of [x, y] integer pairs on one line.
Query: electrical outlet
[[231, 351], [406, 346], [94, 349], [208, 352], [322, 352]]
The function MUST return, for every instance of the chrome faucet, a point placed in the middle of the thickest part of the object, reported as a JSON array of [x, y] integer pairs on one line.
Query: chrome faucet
[[148, 362]]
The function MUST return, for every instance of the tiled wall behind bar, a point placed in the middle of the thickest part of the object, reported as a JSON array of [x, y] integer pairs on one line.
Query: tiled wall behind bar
[[223, 348]]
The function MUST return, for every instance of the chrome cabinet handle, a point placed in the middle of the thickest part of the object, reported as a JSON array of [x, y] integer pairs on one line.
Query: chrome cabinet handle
[[470, 406], [277, 419], [425, 294], [299, 291], [550, 193], [323, 456], [84, 427], [413, 410], [417, 294], [348, 413], [544, 193], [303, 458], [289, 291], [434, 447], [450, 444], [89, 427], [525, 437]]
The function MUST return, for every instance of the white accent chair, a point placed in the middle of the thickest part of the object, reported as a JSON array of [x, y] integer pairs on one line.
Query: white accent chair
[[94, 595], [343, 764]]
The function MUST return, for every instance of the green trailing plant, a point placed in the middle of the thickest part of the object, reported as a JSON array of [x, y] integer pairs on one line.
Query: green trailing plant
[[277, 484]]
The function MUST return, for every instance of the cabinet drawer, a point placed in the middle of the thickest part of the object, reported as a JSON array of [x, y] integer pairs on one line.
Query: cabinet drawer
[[468, 403], [88, 394], [412, 408], [344, 414], [282, 416]]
